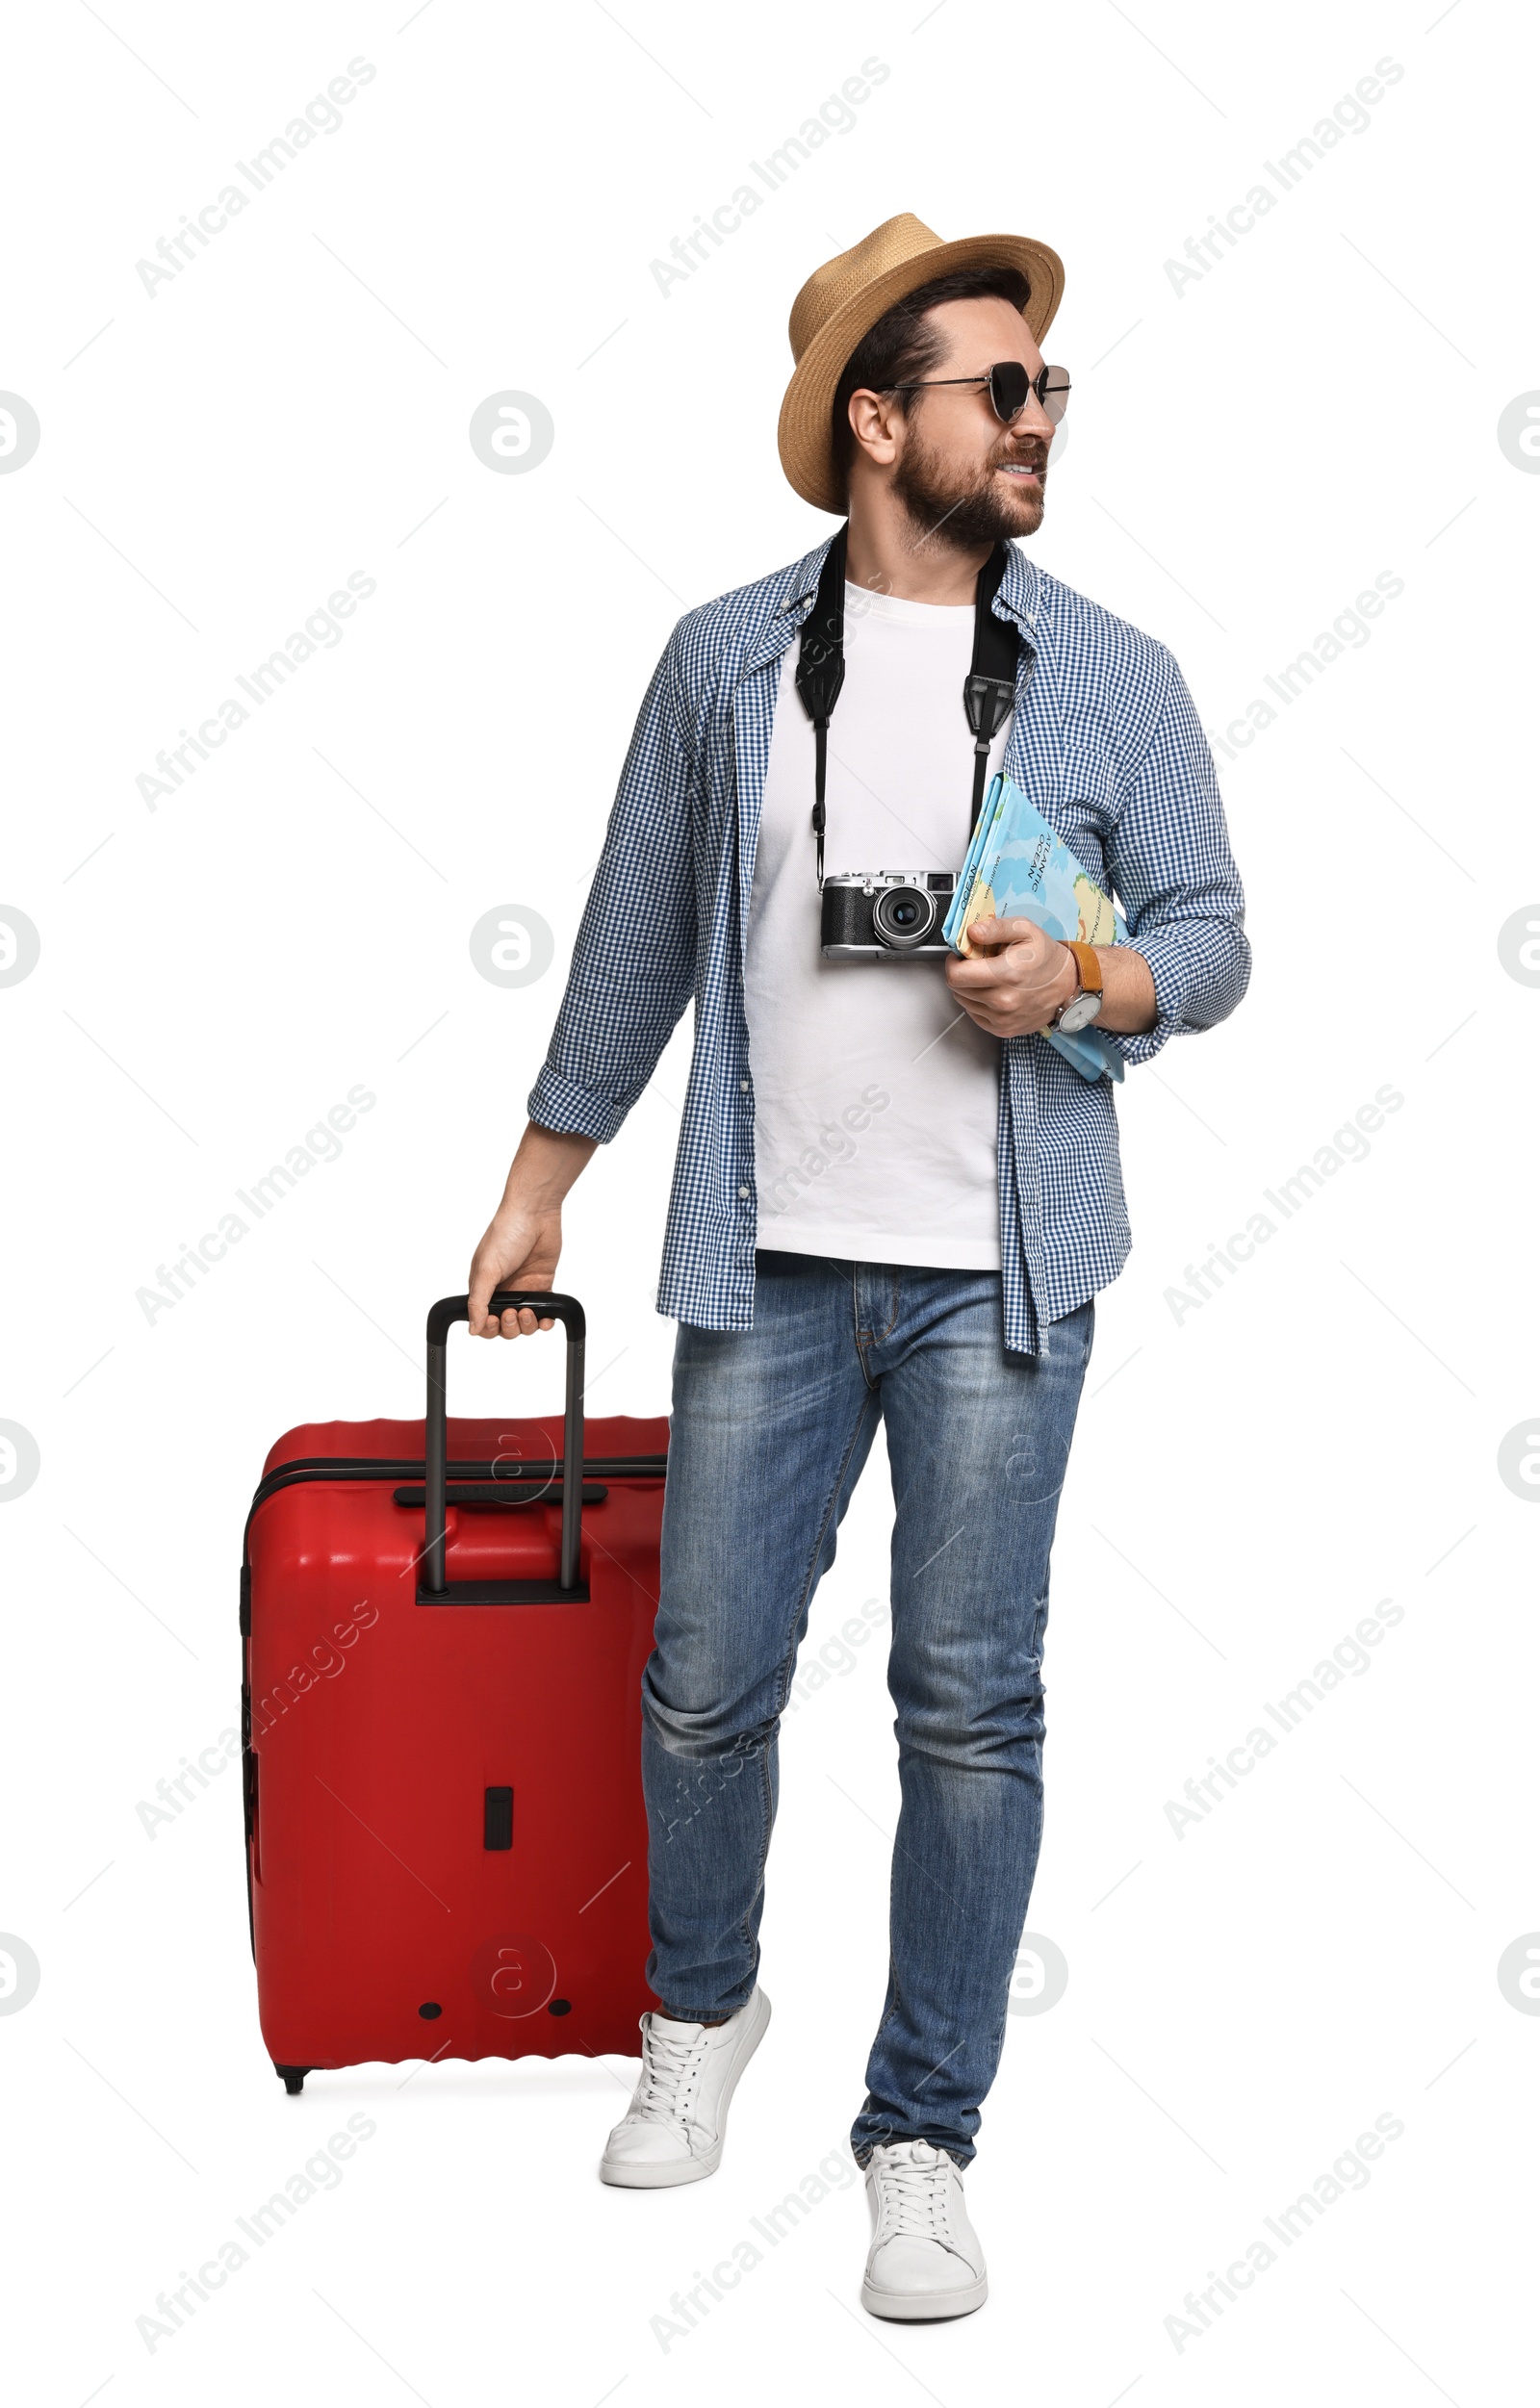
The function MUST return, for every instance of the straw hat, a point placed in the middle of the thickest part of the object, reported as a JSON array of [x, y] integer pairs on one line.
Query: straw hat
[[841, 302]]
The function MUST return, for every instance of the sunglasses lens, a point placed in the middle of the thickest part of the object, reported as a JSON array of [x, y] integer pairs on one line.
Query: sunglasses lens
[[1056, 393], [1008, 387]]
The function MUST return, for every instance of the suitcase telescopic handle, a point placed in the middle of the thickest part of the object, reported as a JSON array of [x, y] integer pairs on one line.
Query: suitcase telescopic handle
[[441, 1320]]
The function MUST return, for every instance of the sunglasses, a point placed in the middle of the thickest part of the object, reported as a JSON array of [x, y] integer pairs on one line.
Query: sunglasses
[[1009, 385]]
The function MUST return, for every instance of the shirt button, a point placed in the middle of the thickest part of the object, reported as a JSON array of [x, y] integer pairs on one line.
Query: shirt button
[[743, 1190], [743, 1087]]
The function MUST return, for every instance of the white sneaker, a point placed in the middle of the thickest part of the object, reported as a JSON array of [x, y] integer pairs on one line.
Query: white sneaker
[[674, 2126], [925, 2259]]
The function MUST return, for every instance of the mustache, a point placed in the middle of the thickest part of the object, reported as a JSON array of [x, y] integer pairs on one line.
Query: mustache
[[1021, 455]]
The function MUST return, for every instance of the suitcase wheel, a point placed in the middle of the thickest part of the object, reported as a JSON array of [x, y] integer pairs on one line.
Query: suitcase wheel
[[293, 2078]]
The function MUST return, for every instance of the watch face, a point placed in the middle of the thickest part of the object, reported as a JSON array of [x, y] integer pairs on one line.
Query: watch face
[[1080, 1013]]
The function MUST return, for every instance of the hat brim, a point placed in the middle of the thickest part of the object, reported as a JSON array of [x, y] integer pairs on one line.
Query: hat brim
[[806, 431]]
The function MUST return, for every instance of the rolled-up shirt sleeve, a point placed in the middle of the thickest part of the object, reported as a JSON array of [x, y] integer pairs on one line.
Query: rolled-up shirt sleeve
[[633, 964], [1176, 876]]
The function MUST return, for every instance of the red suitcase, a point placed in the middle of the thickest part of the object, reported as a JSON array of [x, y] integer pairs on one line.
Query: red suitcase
[[444, 1626]]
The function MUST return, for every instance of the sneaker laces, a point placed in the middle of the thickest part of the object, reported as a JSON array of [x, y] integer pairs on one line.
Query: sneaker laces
[[915, 2192], [670, 2066]]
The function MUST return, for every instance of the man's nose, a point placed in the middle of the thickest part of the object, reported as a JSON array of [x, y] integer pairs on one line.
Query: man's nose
[[1032, 418]]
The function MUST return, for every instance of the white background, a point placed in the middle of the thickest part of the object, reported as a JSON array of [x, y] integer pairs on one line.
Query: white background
[[1244, 457]]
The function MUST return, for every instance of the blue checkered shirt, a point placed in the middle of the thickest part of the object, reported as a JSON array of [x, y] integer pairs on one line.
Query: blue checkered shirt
[[1104, 739]]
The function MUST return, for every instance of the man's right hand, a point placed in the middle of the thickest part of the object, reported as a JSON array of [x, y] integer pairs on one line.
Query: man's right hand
[[521, 1249], [523, 1241]]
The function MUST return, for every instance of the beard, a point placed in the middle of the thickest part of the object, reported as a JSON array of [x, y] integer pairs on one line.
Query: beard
[[966, 507]]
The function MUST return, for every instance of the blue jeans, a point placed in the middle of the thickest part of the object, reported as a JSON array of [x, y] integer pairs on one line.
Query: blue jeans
[[771, 1427]]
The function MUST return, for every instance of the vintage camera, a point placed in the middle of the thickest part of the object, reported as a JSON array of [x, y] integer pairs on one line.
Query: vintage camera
[[873, 915]]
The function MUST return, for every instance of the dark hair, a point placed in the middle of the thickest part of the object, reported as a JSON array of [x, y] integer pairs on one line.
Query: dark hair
[[905, 344]]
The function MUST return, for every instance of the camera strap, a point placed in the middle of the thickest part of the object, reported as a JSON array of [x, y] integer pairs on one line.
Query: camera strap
[[989, 689]]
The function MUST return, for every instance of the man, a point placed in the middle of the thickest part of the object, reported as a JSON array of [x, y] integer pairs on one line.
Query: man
[[892, 1197]]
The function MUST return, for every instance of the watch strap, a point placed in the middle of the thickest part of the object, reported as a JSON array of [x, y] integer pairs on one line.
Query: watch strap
[[1088, 967]]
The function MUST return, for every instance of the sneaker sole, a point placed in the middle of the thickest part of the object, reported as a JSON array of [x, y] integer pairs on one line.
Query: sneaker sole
[[665, 2173], [924, 2307]]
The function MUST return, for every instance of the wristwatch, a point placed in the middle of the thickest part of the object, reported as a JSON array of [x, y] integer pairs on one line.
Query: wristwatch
[[1084, 1005]]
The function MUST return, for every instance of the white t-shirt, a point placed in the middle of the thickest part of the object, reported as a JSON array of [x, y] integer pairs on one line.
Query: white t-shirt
[[875, 1097]]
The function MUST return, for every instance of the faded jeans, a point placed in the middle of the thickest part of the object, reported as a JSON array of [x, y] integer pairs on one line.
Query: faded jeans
[[770, 1430]]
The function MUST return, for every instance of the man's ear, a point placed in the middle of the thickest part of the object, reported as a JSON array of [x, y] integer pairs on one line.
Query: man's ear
[[877, 424]]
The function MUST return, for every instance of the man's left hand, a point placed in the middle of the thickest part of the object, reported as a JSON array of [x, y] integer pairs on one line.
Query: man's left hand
[[1016, 978]]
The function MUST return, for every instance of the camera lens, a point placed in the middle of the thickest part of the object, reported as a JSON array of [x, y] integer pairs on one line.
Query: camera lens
[[903, 917]]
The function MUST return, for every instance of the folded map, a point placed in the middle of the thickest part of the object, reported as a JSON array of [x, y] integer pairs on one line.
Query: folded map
[[1017, 868]]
